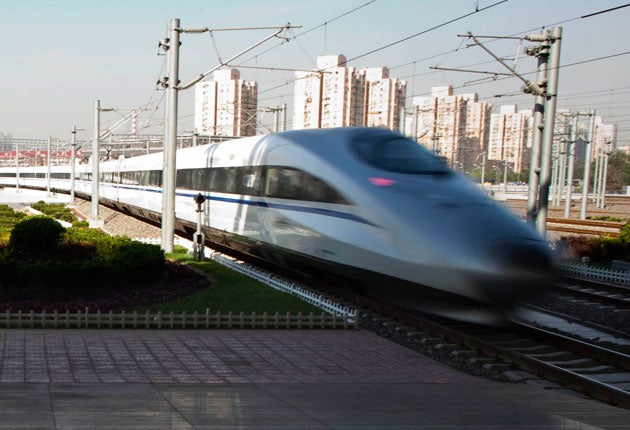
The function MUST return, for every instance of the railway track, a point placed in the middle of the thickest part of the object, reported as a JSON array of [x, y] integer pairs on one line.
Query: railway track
[[593, 370], [584, 227], [595, 292], [585, 368], [616, 206]]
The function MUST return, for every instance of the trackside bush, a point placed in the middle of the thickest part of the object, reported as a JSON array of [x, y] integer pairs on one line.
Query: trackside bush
[[599, 250], [55, 210], [624, 234], [35, 237], [86, 263]]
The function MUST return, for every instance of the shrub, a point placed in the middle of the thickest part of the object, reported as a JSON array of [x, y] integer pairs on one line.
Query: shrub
[[599, 250], [624, 234], [80, 224], [604, 218], [55, 210], [138, 263], [9, 217], [87, 264], [35, 237]]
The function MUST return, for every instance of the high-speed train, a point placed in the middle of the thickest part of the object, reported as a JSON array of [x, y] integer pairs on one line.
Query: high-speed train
[[364, 203]]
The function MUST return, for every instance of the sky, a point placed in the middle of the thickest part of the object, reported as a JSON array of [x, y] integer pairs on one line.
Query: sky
[[59, 56]]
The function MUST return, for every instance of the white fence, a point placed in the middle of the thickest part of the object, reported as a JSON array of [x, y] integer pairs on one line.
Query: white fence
[[583, 270], [315, 299], [172, 320], [282, 285]]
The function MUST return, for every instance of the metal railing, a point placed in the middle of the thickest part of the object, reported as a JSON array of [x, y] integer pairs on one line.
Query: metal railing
[[273, 281], [586, 271], [171, 320], [280, 284]]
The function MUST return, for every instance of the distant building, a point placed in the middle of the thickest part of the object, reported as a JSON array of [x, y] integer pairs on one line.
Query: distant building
[[384, 98], [604, 136], [226, 106], [332, 97], [625, 149], [510, 136], [5, 141], [476, 131], [453, 126]]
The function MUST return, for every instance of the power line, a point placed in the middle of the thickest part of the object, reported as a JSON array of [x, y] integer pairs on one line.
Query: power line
[[516, 34], [604, 11], [389, 45], [336, 18], [532, 72], [313, 28]]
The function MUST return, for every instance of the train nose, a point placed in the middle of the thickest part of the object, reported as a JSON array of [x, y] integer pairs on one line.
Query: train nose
[[518, 271]]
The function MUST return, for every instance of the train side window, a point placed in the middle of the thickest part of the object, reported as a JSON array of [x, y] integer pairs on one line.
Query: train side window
[[183, 178], [155, 178], [199, 179], [217, 180], [233, 181], [271, 182], [252, 181], [290, 183], [282, 183], [395, 153]]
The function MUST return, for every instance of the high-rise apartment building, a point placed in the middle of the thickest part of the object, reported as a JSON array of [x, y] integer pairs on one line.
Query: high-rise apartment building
[[384, 98], [510, 136], [453, 126], [226, 106], [604, 136], [331, 97], [475, 140]]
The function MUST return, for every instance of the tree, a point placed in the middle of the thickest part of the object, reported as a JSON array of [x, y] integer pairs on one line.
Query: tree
[[618, 171], [35, 237]]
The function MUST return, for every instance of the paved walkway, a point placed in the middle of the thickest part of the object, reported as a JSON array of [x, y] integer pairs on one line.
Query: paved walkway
[[227, 379], [12, 196], [211, 356]]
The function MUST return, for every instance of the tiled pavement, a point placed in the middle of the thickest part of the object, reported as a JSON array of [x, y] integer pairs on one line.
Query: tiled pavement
[[243, 379], [205, 356]]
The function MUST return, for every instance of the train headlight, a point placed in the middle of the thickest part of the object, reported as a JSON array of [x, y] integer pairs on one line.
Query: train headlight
[[382, 182]]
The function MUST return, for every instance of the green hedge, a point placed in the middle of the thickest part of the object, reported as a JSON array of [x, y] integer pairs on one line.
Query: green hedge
[[35, 237], [79, 263], [55, 210]]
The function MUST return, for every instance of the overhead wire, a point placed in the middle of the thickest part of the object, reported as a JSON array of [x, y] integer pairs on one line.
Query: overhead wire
[[389, 45]]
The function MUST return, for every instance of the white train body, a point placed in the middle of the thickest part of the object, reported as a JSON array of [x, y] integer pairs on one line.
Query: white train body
[[362, 202]]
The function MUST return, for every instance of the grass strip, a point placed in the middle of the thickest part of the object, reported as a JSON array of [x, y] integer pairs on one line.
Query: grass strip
[[231, 291]]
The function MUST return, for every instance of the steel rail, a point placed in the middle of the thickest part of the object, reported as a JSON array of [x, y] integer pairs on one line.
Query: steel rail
[[598, 296], [549, 371]]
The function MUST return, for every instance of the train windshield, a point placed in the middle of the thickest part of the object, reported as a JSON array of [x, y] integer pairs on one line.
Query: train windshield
[[398, 154]]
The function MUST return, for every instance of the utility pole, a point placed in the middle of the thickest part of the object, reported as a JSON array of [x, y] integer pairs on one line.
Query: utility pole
[[587, 164], [483, 169], [72, 161], [572, 142], [170, 142], [414, 124], [284, 117], [95, 159], [172, 86], [17, 167], [602, 196], [546, 91], [48, 147], [505, 171], [562, 169], [551, 93], [542, 52]]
